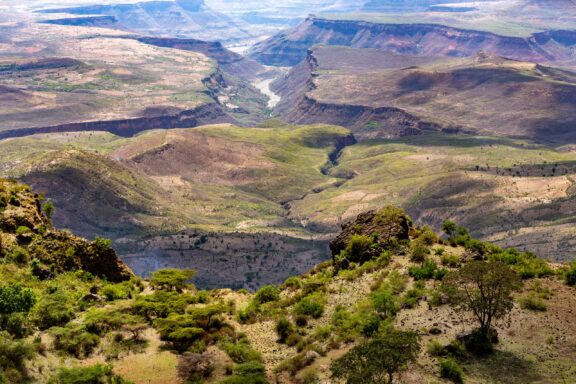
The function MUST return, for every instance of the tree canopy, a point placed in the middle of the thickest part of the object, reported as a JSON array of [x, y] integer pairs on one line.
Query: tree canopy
[[377, 360], [483, 289]]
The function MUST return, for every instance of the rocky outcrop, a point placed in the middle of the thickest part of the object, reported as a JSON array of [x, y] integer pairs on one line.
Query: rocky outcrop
[[289, 48], [89, 21], [384, 228], [47, 63], [205, 114], [23, 223]]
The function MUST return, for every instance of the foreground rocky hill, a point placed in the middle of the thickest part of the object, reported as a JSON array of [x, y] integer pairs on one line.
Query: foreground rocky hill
[[386, 278]]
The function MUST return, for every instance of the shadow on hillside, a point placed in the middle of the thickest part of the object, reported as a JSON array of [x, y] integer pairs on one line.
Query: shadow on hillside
[[505, 367]]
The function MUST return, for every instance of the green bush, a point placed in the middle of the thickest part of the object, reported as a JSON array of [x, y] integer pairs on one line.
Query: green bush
[[571, 275], [14, 299], [13, 356], [384, 303], [449, 369], [19, 255], [160, 304], [425, 272], [240, 352], [267, 294], [533, 303], [419, 252], [450, 260], [283, 329], [309, 306], [96, 374], [435, 348], [54, 310], [526, 264], [75, 341]]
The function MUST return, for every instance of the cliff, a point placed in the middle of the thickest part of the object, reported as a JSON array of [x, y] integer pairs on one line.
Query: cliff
[[289, 48]]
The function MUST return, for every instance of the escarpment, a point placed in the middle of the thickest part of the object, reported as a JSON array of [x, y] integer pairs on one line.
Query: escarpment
[[289, 48]]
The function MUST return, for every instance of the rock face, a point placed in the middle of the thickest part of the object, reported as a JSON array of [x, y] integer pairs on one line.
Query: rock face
[[289, 48], [187, 18], [22, 223], [228, 61], [380, 226], [205, 114]]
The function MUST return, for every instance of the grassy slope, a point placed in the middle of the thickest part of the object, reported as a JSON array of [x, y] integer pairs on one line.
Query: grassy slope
[[434, 176]]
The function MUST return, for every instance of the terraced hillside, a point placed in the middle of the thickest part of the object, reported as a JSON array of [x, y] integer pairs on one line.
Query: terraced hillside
[[379, 94]]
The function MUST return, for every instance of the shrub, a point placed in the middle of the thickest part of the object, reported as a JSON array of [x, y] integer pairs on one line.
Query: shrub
[[283, 329], [571, 275], [435, 348], [425, 272], [293, 339], [19, 255], [449, 369], [427, 236], [309, 376], [533, 303], [449, 260], [384, 303], [267, 294], [14, 299], [23, 230], [13, 355], [309, 306], [419, 252], [96, 374], [75, 341], [54, 310], [301, 320], [195, 367], [240, 352]]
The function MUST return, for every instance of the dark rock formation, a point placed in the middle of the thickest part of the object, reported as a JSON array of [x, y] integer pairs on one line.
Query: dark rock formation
[[205, 114], [384, 227]]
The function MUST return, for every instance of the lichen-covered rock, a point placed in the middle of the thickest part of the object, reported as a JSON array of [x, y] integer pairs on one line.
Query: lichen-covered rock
[[369, 235]]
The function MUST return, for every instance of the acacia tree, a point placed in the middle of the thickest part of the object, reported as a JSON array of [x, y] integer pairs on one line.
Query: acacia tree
[[377, 360], [483, 289], [172, 279]]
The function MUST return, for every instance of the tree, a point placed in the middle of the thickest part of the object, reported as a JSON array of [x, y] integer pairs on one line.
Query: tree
[[172, 279], [14, 299], [449, 228], [49, 209], [484, 289], [377, 360]]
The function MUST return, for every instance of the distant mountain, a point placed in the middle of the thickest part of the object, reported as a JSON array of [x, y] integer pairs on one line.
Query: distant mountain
[[181, 18], [290, 47]]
